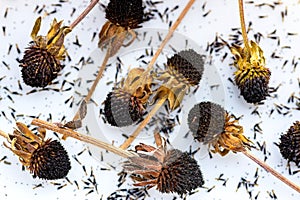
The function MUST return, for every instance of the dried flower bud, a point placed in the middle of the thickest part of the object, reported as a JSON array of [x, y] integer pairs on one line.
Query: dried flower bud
[[45, 159], [168, 170], [126, 104], [184, 69], [212, 125], [123, 16], [252, 77], [290, 144], [41, 61]]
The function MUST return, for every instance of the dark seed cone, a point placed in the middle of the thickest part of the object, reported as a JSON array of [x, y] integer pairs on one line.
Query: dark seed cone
[[171, 171], [180, 173], [290, 144], [256, 89], [122, 108], [39, 67], [126, 13], [50, 161], [206, 121], [212, 125], [188, 63]]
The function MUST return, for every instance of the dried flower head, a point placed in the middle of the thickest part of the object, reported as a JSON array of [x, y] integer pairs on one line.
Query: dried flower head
[[251, 77], [184, 69], [41, 61], [170, 170], [123, 16], [45, 159], [290, 144], [126, 104], [212, 125]]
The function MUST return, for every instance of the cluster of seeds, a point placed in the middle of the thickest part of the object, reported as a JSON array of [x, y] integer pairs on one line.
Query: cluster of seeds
[[169, 170]]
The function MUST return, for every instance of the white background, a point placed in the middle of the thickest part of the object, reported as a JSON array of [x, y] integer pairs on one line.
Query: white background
[[223, 16]]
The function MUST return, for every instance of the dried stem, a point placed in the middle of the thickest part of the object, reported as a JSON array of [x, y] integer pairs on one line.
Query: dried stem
[[243, 26], [271, 170], [3, 134], [95, 83], [81, 137], [169, 35], [142, 125], [84, 13]]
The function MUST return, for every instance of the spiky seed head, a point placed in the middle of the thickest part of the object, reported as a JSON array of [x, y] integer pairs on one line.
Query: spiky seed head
[[251, 77], [254, 89], [122, 108], [290, 144], [180, 173], [41, 60], [39, 67], [188, 63], [171, 171], [126, 13], [206, 120], [45, 159], [50, 161]]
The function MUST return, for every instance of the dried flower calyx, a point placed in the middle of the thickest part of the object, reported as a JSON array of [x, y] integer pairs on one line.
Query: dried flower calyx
[[170, 170], [184, 69], [45, 159], [290, 144], [212, 125], [123, 16], [251, 77], [126, 104], [41, 61]]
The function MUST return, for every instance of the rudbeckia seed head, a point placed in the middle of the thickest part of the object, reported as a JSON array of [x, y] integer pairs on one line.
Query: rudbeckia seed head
[[44, 159], [41, 61], [251, 77], [212, 125], [290, 144], [171, 171]]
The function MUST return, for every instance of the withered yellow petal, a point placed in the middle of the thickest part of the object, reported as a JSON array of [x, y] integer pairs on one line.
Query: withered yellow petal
[[54, 29], [36, 28]]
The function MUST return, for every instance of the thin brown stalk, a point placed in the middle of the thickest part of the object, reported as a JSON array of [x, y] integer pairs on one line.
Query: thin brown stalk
[[84, 13], [169, 35], [243, 25], [84, 138], [142, 125], [3, 134], [271, 170], [95, 83]]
